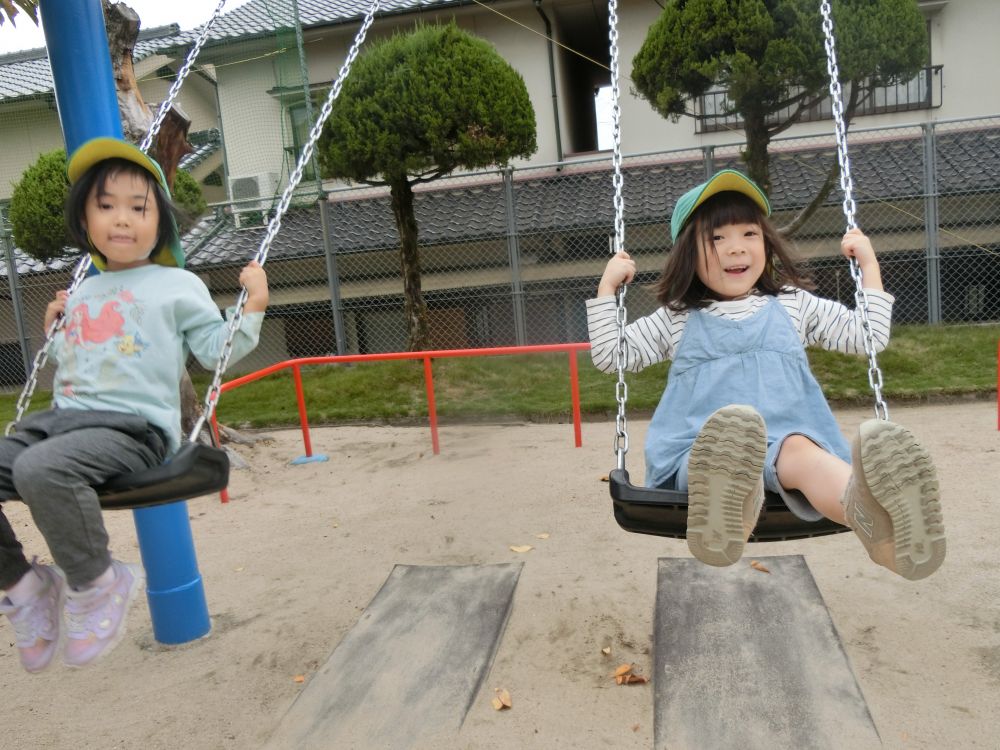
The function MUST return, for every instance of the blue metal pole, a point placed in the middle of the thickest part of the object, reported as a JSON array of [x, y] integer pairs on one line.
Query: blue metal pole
[[88, 108]]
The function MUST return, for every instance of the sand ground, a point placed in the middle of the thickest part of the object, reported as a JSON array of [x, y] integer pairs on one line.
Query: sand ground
[[291, 562]]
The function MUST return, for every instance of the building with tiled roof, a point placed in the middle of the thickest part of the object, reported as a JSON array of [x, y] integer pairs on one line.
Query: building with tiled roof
[[539, 236], [29, 123]]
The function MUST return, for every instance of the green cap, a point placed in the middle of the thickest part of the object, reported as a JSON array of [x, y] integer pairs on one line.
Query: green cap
[[726, 180], [99, 149]]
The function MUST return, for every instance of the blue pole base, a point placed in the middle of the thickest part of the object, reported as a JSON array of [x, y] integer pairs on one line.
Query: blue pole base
[[174, 588], [179, 615], [318, 458]]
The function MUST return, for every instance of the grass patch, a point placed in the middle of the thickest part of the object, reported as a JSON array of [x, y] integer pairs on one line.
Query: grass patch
[[922, 362]]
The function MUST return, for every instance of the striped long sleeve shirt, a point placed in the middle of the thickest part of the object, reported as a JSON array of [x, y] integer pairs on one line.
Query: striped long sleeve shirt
[[654, 338]]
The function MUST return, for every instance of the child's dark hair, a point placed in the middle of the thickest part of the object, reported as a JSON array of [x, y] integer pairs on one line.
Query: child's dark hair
[[98, 175], [679, 287]]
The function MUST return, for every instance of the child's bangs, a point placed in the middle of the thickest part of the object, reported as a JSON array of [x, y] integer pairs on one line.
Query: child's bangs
[[728, 208], [111, 168]]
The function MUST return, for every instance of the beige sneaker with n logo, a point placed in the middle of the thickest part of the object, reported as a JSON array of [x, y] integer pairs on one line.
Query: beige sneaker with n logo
[[725, 486], [892, 501]]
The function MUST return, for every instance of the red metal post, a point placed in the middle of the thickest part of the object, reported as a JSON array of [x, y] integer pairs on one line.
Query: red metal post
[[303, 417], [224, 494], [431, 406], [574, 387]]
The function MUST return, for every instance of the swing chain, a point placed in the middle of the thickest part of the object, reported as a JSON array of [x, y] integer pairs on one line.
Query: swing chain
[[214, 391], [42, 355], [849, 206], [175, 88], [617, 241], [83, 265]]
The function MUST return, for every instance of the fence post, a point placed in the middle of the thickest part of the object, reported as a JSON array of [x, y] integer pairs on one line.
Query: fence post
[[514, 252], [931, 225], [15, 294], [332, 275], [708, 156]]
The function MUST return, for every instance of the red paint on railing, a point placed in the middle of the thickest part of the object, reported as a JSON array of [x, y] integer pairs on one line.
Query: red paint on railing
[[300, 396], [431, 405], [426, 356], [224, 494]]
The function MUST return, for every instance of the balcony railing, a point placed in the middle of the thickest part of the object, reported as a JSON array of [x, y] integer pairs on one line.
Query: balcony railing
[[713, 111]]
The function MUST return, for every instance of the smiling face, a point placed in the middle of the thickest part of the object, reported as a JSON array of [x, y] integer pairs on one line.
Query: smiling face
[[731, 259], [122, 219]]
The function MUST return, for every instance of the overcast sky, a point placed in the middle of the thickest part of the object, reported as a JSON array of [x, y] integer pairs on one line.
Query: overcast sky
[[187, 13]]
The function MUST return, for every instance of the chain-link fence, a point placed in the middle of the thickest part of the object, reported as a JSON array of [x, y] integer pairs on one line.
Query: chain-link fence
[[508, 257]]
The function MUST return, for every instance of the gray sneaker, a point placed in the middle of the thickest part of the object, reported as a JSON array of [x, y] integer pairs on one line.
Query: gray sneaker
[[725, 486], [892, 501]]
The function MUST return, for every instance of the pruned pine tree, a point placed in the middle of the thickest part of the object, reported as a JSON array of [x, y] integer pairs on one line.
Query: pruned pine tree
[[414, 108]]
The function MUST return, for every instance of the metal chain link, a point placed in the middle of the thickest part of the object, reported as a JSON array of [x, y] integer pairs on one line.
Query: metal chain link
[[212, 396], [860, 296], [83, 265], [618, 239]]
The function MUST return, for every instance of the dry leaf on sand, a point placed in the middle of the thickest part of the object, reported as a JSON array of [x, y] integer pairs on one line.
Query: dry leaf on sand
[[521, 547], [501, 700]]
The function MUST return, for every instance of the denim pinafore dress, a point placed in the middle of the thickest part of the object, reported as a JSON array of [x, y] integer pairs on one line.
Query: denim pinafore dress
[[758, 361]]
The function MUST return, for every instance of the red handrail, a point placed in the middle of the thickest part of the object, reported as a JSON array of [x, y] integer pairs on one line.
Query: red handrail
[[426, 356]]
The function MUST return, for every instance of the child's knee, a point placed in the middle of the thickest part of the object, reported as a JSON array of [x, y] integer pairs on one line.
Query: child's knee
[[33, 474]]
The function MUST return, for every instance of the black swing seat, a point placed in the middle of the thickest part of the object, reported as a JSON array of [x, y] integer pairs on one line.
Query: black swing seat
[[194, 470], [645, 510]]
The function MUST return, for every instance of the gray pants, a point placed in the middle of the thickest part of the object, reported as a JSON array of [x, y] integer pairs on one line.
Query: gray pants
[[52, 463]]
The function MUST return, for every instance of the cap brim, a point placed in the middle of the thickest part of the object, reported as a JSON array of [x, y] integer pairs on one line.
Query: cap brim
[[98, 149], [732, 181]]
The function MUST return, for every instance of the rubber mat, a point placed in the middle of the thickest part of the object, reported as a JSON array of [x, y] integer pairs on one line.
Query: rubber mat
[[751, 659], [407, 672]]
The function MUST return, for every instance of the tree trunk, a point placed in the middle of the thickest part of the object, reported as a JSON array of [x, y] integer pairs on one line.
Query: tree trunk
[[832, 176], [414, 308], [122, 24], [756, 156], [172, 143]]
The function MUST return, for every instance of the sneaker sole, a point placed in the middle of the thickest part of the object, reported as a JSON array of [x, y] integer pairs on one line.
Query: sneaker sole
[[138, 584], [901, 479], [725, 466]]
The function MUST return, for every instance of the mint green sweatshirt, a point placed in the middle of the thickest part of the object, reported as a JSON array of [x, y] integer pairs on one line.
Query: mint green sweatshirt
[[126, 341]]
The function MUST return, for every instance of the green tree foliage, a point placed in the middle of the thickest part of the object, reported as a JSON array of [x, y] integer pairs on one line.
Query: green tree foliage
[[36, 208], [416, 107], [38, 199], [769, 56], [188, 196]]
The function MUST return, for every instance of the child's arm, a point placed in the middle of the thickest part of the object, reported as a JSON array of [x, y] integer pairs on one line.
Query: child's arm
[[620, 270], [56, 308], [856, 245], [254, 279]]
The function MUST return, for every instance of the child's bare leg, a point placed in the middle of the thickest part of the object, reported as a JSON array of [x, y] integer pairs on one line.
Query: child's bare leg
[[888, 496], [819, 475]]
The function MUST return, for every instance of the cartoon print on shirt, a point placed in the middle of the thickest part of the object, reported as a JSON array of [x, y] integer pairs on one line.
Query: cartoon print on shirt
[[109, 336]]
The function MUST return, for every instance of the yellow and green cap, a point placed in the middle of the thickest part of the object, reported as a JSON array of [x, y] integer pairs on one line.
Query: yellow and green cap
[[728, 180], [97, 150]]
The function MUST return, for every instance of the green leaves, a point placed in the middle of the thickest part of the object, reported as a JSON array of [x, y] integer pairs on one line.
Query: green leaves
[[761, 49], [36, 208], [425, 103]]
